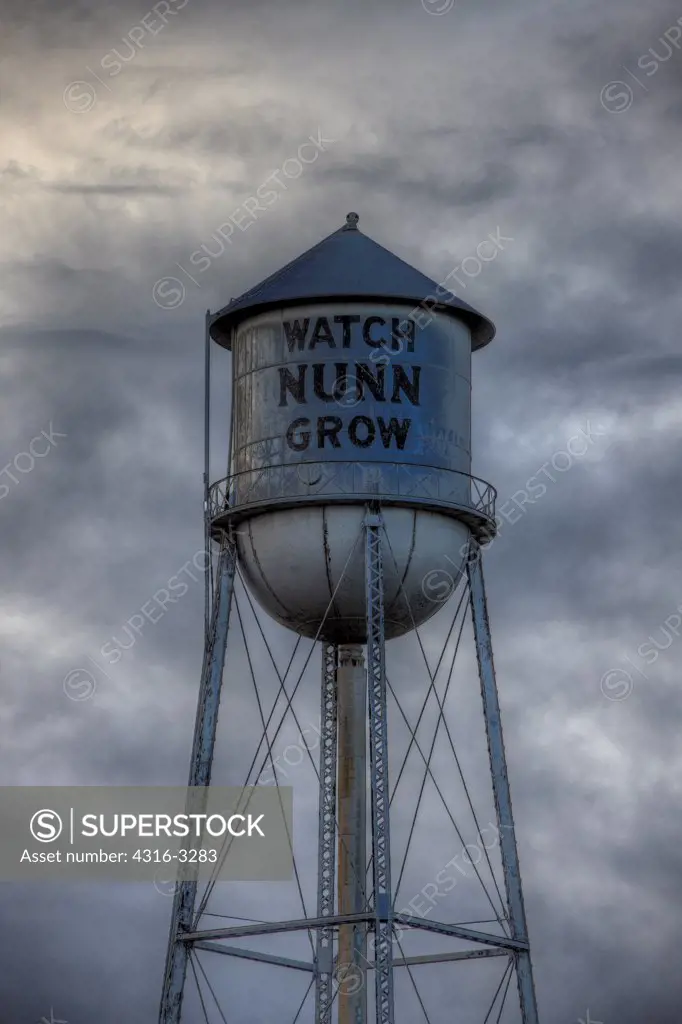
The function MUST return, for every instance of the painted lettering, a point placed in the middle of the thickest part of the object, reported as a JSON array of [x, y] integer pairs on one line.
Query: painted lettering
[[402, 331], [329, 427], [318, 381], [297, 438], [401, 382], [287, 382], [296, 333], [322, 332], [392, 429], [367, 328], [346, 320], [377, 385], [368, 424]]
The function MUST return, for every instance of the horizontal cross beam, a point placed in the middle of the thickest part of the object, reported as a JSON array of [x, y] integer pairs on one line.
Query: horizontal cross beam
[[311, 923], [456, 930], [301, 965], [273, 927], [250, 954]]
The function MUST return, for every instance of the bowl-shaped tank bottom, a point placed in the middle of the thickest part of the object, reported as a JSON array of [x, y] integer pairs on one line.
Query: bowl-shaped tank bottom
[[306, 567]]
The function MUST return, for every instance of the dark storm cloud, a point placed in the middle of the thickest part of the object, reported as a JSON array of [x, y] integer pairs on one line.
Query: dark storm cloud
[[447, 128]]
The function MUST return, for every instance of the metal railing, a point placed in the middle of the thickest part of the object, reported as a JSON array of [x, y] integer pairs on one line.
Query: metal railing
[[303, 482]]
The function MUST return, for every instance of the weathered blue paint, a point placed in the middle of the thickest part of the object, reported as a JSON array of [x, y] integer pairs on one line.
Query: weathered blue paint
[[500, 781], [347, 265], [199, 775]]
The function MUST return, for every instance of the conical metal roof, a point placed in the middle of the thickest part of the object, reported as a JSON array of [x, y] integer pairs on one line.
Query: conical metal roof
[[346, 265]]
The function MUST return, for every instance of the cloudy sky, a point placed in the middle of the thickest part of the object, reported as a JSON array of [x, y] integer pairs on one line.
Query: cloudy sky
[[125, 145]]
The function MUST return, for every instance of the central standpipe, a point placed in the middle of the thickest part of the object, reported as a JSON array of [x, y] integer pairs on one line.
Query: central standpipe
[[352, 819]]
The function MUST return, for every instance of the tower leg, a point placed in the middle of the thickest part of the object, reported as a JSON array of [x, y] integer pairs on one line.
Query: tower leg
[[352, 818], [500, 780], [199, 775], [378, 736], [324, 967]]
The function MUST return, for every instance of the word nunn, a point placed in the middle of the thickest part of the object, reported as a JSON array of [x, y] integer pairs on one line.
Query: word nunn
[[361, 377], [348, 384]]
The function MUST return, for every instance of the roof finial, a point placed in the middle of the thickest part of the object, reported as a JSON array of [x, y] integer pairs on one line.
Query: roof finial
[[351, 222]]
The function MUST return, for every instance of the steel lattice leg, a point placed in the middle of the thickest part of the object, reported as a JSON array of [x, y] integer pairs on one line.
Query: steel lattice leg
[[200, 775], [381, 851], [351, 970], [500, 780], [324, 966]]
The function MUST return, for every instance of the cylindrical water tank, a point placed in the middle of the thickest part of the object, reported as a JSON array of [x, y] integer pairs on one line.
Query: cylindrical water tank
[[349, 389]]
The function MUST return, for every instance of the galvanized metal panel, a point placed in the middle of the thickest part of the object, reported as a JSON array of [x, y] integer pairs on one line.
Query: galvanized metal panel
[[300, 399]]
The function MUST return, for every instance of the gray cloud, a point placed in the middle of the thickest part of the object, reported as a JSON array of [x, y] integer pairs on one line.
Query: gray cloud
[[446, 127]]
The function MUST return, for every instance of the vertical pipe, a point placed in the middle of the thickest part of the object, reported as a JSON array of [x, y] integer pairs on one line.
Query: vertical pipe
[[207, 471], [500, 780], [326, 861], [352, 818], [230, 434]]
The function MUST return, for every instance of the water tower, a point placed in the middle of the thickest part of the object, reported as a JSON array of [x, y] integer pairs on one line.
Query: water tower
[[349, 485]]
